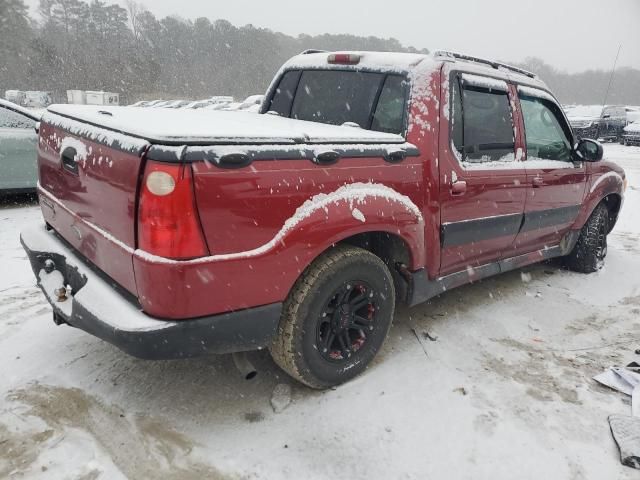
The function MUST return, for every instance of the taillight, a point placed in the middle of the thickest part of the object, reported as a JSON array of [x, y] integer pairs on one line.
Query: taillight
[[168, 224], [344, 59]]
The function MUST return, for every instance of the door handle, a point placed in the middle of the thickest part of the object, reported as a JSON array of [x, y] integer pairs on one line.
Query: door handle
[[537, 182], [396, 156], [234, 160], [326, 158], [459, 187], [68, 159]]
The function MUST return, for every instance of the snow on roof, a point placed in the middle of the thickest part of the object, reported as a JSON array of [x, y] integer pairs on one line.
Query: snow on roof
[[383, 61], [34, 114], [210, 127], [406, 62]]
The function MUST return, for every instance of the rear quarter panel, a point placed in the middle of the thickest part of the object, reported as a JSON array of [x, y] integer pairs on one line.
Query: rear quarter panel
[[242, 212]]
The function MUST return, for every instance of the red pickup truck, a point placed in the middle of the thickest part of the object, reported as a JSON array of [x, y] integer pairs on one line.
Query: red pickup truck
[[367, 179]]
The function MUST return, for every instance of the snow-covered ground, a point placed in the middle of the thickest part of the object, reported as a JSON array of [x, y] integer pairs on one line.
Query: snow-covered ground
[[504, 391]]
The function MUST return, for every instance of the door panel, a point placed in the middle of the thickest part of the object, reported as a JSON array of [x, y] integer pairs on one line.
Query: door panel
[[483, 185], [555, 183]]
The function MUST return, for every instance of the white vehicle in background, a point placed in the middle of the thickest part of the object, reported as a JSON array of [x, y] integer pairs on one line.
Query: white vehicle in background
[[37, 99], [152, 103], [18, 148], [90, 97], [197, 104], [250, 104], [631, 135], [102, 98], [77, 97], [633, 114], [177, 104], [15, 96]]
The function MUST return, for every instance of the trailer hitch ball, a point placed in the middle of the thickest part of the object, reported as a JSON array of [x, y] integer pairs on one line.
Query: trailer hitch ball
[[49, 265]]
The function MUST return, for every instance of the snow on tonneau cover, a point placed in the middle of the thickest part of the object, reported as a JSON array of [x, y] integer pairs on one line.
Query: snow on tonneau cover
[[91, 160]]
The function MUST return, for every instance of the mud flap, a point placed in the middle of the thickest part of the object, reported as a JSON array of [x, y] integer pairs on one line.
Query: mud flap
[[626, 432]]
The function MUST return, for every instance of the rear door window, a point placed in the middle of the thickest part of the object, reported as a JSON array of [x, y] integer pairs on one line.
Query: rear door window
[[482, 124], [11, 119]]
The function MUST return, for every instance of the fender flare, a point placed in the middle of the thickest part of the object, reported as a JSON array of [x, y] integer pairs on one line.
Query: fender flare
[[610, 183]]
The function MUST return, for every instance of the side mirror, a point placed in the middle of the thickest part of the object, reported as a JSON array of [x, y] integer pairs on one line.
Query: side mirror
[[589, 150], [606, 116]]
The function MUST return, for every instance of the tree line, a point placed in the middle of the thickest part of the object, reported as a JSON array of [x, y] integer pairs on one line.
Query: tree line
[[74, 44]]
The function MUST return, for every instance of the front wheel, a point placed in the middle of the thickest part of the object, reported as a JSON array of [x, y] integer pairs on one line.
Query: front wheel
[[590, 251], [336, 318]]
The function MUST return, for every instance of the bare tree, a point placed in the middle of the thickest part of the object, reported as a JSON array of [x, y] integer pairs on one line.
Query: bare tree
[[135, 9]]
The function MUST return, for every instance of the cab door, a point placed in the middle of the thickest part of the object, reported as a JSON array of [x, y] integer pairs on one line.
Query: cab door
[[482, 183], [555, 182]]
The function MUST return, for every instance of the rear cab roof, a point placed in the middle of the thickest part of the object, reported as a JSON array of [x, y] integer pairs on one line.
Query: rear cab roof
[[410, 64]]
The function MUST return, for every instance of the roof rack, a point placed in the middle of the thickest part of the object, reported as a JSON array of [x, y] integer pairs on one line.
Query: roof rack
[[492, 63], [312, 50]]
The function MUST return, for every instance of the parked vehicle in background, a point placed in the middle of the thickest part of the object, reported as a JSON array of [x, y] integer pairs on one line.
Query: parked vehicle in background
[[597, 122], [18, 148], [633, 114], [252, 103], [15, 96], [37, 99], [368, 179], [90, 97], [77, 97], [102, 98], [631, 135], [29, 99], [177, 104]]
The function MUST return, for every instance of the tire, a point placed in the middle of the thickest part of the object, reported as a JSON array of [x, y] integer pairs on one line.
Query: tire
[[329, 299], [590, 251]]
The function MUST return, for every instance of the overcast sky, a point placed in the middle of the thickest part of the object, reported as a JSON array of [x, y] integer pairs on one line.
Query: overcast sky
[[573, 35]]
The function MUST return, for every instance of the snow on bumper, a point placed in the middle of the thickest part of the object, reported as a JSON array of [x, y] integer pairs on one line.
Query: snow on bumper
[[85, 299]]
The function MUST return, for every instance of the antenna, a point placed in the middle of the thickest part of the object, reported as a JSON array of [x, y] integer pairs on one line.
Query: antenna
[[615, 63]]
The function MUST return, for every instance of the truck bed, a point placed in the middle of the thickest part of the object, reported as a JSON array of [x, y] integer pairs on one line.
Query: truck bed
[[207, 127]]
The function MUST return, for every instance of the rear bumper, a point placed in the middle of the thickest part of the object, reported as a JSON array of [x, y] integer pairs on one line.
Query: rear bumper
[[96, 306]]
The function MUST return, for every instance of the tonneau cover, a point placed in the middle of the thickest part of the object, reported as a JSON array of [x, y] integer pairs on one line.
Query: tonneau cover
[[210, 127]]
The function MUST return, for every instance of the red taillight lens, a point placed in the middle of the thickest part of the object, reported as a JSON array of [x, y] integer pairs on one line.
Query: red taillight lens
[[344, 58], [168, 223]]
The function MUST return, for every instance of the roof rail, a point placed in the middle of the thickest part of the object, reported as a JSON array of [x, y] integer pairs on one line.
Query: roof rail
[[492, 63], [312, 50]]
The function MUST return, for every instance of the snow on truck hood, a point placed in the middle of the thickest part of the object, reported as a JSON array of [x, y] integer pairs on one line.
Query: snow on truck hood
[[167, 126]]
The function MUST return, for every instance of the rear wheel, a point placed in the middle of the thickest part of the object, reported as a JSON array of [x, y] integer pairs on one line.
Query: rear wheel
[[590, 251], [336, 318]]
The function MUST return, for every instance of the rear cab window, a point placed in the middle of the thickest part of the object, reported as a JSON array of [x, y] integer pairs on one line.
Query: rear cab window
[[372, 100]]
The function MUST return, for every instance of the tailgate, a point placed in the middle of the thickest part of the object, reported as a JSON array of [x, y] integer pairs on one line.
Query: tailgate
[[88, 186]]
